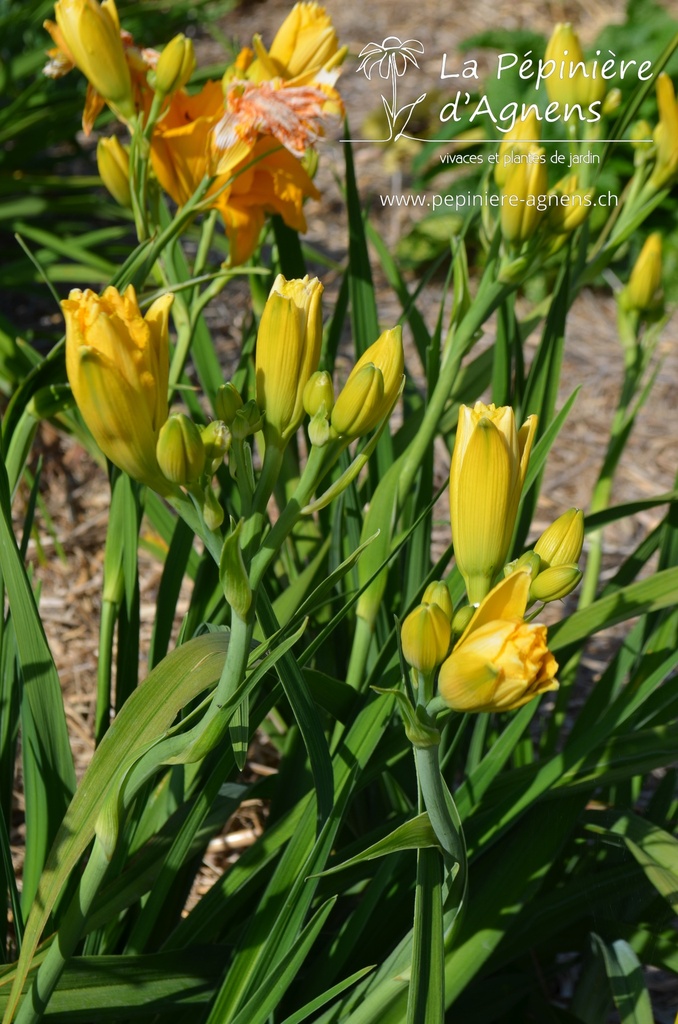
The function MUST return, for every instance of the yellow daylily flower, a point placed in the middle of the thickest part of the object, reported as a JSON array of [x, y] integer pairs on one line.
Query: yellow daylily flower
[[500, 661], [117, 361], [488, 470], [371, 388], [257, 178], [288, 350], [305, 49], [91, 35]]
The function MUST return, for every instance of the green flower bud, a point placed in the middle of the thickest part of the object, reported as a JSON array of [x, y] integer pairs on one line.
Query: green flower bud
[[212, 512], [180, 451], [216, 438], [528, 560], [555, 583], [113, 165], [227, 401], [319, 392], [246, 420], [233, 575], [461, 618]]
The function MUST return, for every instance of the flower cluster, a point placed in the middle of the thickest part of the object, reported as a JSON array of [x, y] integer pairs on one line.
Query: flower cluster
[[491, 656], [247, 134], [117, 362]]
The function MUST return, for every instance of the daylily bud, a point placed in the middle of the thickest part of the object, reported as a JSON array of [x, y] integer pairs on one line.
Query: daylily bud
[[572, 208], [212, 512], [563, 46], [118, 367], [641, 135], [288, 350], [216, 439], [500, 661], [524, 134], [488, 469], [91, 33], [425, 637], [233, 575], [525, 183], [175, 65], [437, 593], [227, 401], [555, 583], [562, 541], [612, 102], [371, 388], [180, 451], [246, 420], [113, 164], [646, 276], [665, 134], [319, 392], [529, 561], [461, 618]]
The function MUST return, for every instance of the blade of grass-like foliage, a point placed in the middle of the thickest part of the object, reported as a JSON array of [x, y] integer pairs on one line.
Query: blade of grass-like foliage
[[655, 850], [480, 779], [316, 1004], [659, 591], [364, 317], [416, 834], [420, 333], [111, 988], [290, 255], [268, 995], [176, 563], [546, 440], [151, 709], [626, 981], [47, 754], [426, 996], [305, 713], [280, 913]]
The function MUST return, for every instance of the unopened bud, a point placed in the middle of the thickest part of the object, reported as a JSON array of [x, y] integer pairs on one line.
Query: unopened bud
[[461, 618], [246, 420], [233, 575], [227, 401], [529, 560], [175, 65], [212, 512], [437, 593], [319, 392], [425, 637], [113, 164], [562, 541], [216, 439], [555, 583], [180, 451]]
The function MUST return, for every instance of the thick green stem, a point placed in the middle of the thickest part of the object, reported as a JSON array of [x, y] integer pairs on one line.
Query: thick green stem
[[109, 614], [436, 802], [35, 1001]]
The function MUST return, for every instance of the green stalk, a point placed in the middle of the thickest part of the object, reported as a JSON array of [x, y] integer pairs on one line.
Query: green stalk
[[35, 1001], [436, 799], [102, 717]]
